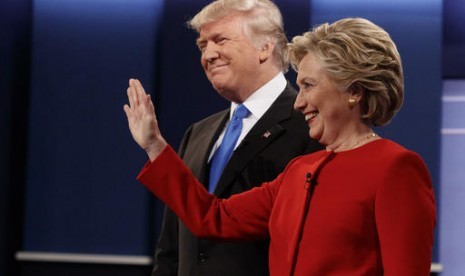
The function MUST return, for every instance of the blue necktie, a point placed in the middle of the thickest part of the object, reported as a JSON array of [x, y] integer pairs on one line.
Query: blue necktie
[[224, 151]]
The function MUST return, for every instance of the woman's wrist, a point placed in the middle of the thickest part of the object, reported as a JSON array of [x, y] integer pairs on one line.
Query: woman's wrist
[[154, 149]]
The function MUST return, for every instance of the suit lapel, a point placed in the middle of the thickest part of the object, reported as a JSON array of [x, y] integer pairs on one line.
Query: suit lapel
[[196, 155], [265, 131]]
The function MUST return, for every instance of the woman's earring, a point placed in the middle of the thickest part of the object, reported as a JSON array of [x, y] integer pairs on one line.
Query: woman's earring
[[352, 102]]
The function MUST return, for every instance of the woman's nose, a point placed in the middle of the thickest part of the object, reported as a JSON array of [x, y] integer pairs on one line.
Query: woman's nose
[[300, 102]]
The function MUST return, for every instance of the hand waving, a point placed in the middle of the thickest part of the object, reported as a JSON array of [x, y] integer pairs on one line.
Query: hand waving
[[142, 120]]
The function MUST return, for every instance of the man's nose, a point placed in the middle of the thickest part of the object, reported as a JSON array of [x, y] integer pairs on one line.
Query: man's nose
[[210, 52]]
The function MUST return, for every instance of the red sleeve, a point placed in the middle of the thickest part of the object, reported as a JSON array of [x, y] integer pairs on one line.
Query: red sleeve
[[241, 217], [405, 216]]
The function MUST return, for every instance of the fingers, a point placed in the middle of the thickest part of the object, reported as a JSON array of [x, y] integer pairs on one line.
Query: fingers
[[127, 110], [140, 94], [139, 89], [136, 92], [150, 106], [130, 98], [138, 99], [132, 94]]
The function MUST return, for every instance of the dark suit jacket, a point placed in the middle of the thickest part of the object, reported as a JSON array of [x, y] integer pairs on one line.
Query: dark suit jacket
[[280, 135]]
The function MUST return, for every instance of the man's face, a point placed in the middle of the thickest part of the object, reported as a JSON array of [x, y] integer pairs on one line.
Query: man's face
[[229, 58]]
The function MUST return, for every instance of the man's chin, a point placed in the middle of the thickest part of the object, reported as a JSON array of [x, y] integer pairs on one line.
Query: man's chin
[[219, 86], [228, 94]]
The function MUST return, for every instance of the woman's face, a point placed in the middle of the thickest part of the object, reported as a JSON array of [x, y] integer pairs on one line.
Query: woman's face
[[323, 104]]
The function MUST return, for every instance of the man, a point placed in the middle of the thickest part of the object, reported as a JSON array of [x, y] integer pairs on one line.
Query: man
[[243, 53]]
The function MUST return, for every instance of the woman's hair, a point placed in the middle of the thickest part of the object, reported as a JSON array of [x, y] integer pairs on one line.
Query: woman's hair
[[264, 23], [356, 52]]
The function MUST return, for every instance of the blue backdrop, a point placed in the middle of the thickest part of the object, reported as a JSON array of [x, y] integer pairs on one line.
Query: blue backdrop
[[81, 193]]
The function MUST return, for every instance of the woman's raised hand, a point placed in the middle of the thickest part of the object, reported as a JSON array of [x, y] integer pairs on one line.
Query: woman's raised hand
[[142, 120]]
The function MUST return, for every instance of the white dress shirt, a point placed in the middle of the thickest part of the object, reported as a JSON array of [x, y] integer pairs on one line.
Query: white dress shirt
[[258, 103]]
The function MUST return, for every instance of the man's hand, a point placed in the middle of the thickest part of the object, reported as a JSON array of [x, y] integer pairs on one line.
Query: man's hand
[[142, 120]]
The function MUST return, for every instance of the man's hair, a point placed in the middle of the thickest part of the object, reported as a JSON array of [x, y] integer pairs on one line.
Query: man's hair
[[355, 51], [263, 23]]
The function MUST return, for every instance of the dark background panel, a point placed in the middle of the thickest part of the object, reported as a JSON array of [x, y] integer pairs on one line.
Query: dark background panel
[[81, 192], [454, 39], [15, 46]]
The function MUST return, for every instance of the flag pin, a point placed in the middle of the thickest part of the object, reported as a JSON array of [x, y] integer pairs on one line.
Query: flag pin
[[266, 134]]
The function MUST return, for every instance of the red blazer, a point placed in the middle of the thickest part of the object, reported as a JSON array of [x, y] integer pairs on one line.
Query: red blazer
[[367, 211]]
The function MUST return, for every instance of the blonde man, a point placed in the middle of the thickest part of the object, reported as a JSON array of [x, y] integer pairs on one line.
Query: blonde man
[[243, 53]]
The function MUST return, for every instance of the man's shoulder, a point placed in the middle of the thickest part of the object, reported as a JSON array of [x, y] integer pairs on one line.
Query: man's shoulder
[[212, 121], [212, 118]]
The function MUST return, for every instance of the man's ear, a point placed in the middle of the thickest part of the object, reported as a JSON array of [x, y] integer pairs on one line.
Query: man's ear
[[266, 51]]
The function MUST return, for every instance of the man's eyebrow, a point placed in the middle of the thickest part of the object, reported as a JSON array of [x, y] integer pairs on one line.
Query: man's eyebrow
[[213, 36], [200, 41]]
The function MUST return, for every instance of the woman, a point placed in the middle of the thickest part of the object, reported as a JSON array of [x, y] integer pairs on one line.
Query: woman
[[363, 206]]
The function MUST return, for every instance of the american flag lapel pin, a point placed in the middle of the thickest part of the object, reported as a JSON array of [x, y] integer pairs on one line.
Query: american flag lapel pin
[[266, 134]]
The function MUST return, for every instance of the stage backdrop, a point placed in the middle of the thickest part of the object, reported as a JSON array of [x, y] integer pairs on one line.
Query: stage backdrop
[[82, 196]]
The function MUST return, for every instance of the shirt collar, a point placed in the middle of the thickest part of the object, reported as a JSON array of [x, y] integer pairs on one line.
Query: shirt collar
[[259, 102]]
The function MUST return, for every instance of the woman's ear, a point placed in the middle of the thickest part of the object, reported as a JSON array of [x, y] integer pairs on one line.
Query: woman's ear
[[266, 51], [356, 91]]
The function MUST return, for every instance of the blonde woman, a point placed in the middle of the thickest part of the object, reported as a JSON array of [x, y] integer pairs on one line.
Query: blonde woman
[[363, 206]]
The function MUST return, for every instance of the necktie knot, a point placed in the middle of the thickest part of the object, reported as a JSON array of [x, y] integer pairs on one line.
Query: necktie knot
[[241, 112]]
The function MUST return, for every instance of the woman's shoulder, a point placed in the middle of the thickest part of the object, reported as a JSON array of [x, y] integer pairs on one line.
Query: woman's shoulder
[[386, 149], [386, 145]]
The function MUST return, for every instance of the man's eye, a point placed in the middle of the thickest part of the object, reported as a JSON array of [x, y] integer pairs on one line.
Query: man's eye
[[221, 40], [201, 47]]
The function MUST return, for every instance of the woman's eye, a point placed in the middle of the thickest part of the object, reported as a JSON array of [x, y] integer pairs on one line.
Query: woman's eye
[[307, 85]]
